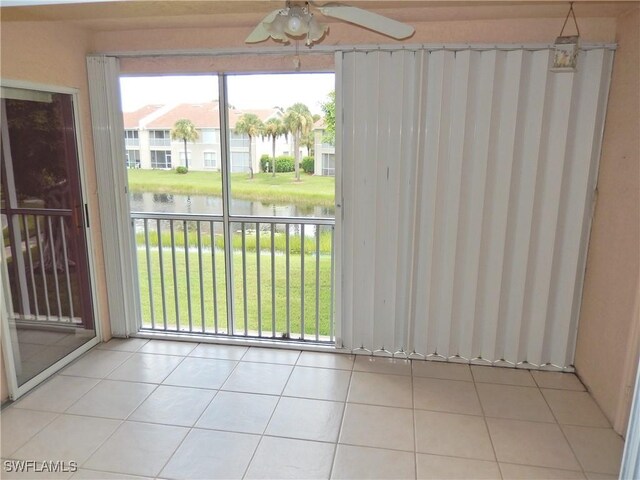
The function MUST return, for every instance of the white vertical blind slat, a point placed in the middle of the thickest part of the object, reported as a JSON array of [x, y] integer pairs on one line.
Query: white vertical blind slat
[[546, 206], [117, 235], [497, 200], [451, 201], [574, 201], [535, 74]]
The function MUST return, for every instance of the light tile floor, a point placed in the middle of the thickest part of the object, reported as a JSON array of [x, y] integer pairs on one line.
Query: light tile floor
[[177, 410]]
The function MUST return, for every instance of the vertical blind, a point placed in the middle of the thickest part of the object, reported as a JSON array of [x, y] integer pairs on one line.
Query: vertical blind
[[117, 238], [467, 180]]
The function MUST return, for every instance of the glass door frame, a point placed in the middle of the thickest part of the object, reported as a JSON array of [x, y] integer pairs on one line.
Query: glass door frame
[[227, 218], [15, 390]]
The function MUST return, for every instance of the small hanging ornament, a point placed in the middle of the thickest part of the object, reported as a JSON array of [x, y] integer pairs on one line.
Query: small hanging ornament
[[565, 57]]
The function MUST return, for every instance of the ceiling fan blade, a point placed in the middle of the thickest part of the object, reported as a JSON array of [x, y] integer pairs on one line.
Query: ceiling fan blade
[[260, 33], [372, 21]]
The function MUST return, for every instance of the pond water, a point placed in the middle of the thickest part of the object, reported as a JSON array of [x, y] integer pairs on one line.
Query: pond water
[[208, 204]]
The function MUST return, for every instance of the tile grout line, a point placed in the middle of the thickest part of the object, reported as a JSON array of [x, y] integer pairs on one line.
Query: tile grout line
[[98, 447], [564, 435], [189, 429], [60, 414], [344, 412], [486, 424], [253, 455], [123, 421]]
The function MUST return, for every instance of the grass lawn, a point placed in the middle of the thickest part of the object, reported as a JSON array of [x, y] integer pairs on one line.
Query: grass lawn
[[310, 190], [215, 281]]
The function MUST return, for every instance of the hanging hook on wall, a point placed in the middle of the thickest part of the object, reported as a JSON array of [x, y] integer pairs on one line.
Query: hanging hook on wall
[[570, 13]]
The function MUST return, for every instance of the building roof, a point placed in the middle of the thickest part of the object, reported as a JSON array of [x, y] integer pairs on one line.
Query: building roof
[[203, 115], [133, 119]]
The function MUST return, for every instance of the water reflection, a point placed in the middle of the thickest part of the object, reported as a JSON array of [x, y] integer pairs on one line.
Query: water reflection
[[211, 205]]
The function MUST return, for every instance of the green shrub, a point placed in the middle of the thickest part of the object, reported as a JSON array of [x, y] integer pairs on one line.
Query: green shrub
[[285, 164], [264, 160], [307, 165], [182, 170]]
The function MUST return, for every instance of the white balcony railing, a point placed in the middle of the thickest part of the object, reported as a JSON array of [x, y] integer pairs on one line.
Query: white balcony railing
[[274, 279]]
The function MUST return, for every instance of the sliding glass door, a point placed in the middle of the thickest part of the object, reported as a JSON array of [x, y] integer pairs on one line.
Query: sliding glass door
[[47, 299]]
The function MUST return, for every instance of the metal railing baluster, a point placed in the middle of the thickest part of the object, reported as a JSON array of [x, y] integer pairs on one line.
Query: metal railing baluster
[[66, 267], [160, 259], [25, 222], [214, 276], [42, 271], [202, 316], [273, 282], [287, 276], [244, 278], [175, 276], [186, 261], [317, 282], [54, 267], [258, 280], [149, 274], [331, 332], [302, 281]]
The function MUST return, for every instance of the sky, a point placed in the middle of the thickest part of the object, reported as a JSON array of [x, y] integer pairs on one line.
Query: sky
[[244, 91]]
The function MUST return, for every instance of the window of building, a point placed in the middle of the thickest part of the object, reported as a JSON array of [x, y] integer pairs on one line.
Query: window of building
[[210, 160], [132, 158], [131, 138], [159, 138], [210, 136], [238, 140], [160, 158], [240, 162], [328, 164]]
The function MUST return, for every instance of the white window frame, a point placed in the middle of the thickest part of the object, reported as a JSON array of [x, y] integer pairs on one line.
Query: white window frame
[[216, 136], [137, 160], [213, 153], [168, 164]]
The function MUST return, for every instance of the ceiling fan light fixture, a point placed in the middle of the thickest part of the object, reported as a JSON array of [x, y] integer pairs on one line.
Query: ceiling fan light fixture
[[277, 27], [316, 31], [295, 21], [294, 24]]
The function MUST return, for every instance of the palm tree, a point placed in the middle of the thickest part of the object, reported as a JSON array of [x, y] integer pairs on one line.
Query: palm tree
[[308, 141], [250, 125], [299, 122], [186, 131], [273, 128]]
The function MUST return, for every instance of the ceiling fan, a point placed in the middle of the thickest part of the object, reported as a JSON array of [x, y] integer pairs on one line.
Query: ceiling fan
[[297, 21]]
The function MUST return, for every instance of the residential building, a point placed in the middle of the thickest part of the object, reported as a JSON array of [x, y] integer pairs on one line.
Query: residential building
[[149, 144], [324, 152]]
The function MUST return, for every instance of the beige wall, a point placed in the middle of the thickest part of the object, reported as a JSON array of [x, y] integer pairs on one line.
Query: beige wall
[[471, 31], [612, 280], [55, 54]]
